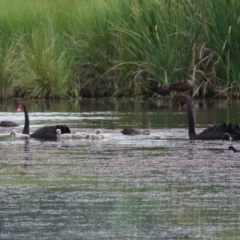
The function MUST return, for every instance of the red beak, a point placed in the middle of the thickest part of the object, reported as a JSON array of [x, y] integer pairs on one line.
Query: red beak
[[180, 106], [20, 107]]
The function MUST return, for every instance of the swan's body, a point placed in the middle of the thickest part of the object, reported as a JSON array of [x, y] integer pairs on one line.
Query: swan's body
[[46, 132], [130, 131], [104, 136], [8, 124], [97, 136], [16, 135], [63, 136], [233, 148], [80, 136], [216, 132]]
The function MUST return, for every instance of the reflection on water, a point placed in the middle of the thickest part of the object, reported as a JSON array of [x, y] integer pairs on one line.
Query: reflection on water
[[161, 186]]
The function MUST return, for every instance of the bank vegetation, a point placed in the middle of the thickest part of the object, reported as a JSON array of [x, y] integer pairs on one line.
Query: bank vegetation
[[96, 48]]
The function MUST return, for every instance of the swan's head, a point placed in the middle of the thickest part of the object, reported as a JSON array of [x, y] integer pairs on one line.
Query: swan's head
[[146, 132], [98, 131], [21, 106], [58, 131], [182, 100], [13, 133]]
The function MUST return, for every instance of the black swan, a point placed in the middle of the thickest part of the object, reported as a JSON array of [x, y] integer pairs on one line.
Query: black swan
[[46, 132], [131, 131], [8, 124], [233, 148], [217, 132]]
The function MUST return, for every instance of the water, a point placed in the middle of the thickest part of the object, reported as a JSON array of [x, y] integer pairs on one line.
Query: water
[[161, 186]]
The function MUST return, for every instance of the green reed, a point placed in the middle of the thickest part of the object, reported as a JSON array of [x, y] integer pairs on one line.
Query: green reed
[[221, 34], [60, 48], [8, 68]]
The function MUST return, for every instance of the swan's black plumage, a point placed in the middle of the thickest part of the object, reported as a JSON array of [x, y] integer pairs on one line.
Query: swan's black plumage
[[234, 131], [46, 132], [233, 148], [216, 132]]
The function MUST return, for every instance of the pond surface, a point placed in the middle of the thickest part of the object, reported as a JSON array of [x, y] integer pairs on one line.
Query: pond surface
[[160, 186]]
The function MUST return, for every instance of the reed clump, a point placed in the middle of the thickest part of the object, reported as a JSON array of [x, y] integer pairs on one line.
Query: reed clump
[[61, 48]]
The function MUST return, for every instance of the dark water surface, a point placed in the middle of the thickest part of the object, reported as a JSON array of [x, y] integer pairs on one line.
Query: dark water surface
[[161, 186]]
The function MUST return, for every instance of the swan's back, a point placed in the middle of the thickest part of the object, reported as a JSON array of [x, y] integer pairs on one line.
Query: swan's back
[[80, 136], [96, 136], [234, 131], [223, 131], [49, 132]]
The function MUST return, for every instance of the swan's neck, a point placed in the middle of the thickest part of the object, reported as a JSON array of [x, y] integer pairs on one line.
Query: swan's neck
[[13, 134], [58, 135], [26, 125], [191, 123]]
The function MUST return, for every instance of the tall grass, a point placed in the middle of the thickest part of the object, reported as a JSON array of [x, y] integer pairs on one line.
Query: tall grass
[[45, 71], [221, 37], [61, 48], [8, 67]]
